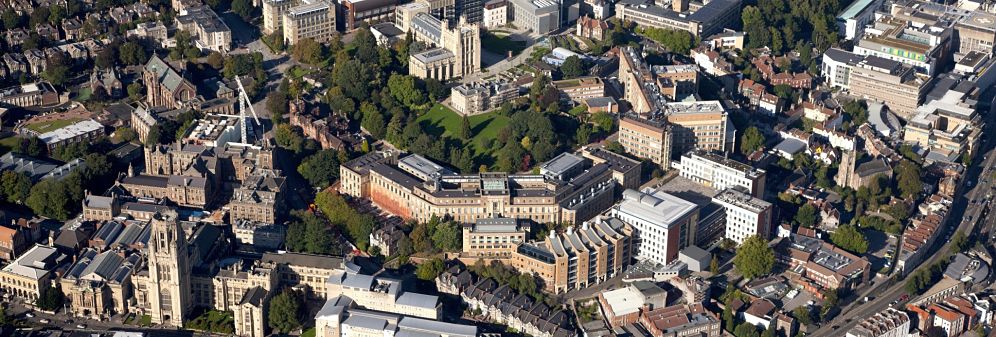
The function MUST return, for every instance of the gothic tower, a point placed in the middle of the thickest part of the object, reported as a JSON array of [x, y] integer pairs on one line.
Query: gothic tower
[[169, 270], [845, 172]]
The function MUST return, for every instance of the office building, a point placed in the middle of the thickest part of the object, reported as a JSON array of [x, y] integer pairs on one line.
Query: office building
[[83, 131], [495, 14], [580, 89], [948, 127], [852, 20], [821, 265], [625, 171], [371, 11], [273, 14], [663, 223], [311, 19], [206, 28], [646, 139], [924, 48], [697, 18], [382, 294], [538, 16], [837, 65], [896, 85], [493, 237], [976, 32], [746, 215], [341, 317], [719, 172]]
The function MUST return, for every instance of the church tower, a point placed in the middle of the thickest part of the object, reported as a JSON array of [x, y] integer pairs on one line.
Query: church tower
[[845, 172], [169, 270]]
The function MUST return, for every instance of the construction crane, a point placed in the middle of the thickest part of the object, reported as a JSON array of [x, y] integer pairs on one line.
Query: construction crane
[[246, 104]]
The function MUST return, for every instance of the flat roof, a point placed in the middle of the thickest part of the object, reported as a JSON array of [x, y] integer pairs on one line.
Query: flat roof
[[655, 206]]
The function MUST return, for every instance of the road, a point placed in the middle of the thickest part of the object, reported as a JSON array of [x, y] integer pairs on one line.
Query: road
[[886, 293]]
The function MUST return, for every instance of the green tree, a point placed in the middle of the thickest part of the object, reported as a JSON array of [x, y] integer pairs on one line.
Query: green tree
[[57, 69], [572, 67], [677, 41], [404, 89], [908, 179], [959, 242], [135, 90], [851, 239], [131, 53], [714, 266], [321, 169], [447, 237], [5, 320], [243, 8], [429, 270], [31, 146], [11, 19], [38, 16], [604, 121], [125, 134], [106, 58], [746, 330], [754, 258], [278, 105], [465, 131], [806, 216], [308, 51], [752, 140], [803, 315], [373, 121], [50, 198], [51, 299], [16, 186], [285, 311]]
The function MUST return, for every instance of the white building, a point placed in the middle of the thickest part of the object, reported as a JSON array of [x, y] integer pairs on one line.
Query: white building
[[745, 215], [495, 14], [888, 323], [721, 173], [853, 19], [837, 65], [664, 223]]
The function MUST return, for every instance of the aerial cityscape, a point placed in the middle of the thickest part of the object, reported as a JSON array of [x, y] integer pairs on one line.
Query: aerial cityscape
[[488, 168]]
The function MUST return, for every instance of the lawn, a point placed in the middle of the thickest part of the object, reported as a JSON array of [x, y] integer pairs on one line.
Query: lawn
[[442, 121], [83, 95], [8, 144], [43, 127], [214, 321], [501, 44]]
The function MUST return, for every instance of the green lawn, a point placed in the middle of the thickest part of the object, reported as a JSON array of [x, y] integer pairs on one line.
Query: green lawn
[[83, 95], [9, 144], [501, 44], [214, 321], [43, 127], [442, 121], [308, 333]]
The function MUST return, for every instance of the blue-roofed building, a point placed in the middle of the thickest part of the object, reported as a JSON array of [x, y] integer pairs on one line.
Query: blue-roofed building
[[99, 283], [852, 20]]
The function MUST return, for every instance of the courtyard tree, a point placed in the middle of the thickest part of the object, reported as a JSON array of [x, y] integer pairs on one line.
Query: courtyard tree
[[754, 258]]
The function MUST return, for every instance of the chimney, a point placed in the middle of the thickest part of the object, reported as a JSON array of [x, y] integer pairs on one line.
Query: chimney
[[679, 6]]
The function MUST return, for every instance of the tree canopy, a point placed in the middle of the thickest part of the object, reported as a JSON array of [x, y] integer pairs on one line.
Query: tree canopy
[[285, 311], [850, 239], [754, 258], [752, 140]]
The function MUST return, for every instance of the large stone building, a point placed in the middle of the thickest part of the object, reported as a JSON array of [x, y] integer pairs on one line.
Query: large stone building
[[32, 273], [657, 127], [258, 198], [100, 283], [456, 48], [29, 95], [165, 86], [698, 18], [897, 85], [719, 172], [477, 98], [206, 27], [165, 284], [311, 19], [415, 188]]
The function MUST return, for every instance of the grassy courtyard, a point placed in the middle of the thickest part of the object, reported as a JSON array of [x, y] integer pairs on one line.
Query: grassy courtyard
[[501, 43], [442, 121], [9, 144], [43, 127], [214, 321]]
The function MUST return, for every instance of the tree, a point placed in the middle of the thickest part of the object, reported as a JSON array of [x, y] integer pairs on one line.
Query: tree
[[604, 121], [851, 239], [754, 258], [572, 67], [57, 69], [752, 140], [284, 311], [243, 8], [135, 90], [429, 270], [309, 51], [420, 236], [465, 131], [831, 297], [321, 169], [404, 89], [447, 237], [125, 134], [677, 41], [803, 315], [5, 320], [38, 16], [278, 105], [50, 198], [51, 299], [583, 135], [31, 146], [11, 19], [131, 53], [806, 216], [746, 330], [106, 58], [959, 243], [373, 121], [714, 266], [908, 179], [16, 186]]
